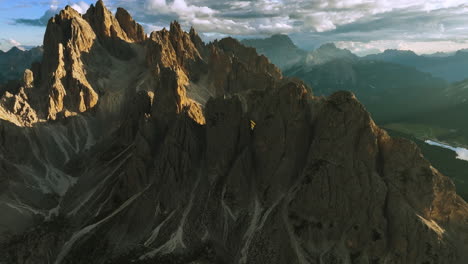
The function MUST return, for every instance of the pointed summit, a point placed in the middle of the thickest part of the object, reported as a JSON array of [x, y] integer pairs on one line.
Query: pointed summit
[[133, 30], [175, 28], [100, 19], [193, 34], [103, 22], [106, 25], [196, 39]]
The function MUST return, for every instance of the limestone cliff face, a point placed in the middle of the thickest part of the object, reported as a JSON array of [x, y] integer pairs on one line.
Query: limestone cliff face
[[132, 29], [63, 77], [63, 87], [106, 25], [204, 153]]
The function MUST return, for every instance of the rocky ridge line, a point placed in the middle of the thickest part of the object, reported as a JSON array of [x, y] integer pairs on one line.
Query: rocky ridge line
[[204, 153]]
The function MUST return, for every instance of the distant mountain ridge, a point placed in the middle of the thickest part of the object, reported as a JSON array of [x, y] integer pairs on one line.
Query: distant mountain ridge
[[121, 148], [449, 67], [389, 91], [390, 84], [15, 61], [329, 52], [280, 49]]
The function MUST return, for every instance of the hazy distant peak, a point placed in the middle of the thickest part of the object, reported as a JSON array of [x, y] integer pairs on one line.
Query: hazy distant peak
[[399, 52], [328, 46], [282, 38], [461, 52], [15, 49], [328, 52], [279, 48], [439, 54], [278, 40]]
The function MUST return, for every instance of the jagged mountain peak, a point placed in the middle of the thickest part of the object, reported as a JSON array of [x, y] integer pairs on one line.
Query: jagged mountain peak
[[175, 27], [105, 24], [133, 30], [174, 151], [69, 37]]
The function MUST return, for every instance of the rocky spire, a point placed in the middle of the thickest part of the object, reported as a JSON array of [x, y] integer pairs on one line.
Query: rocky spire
[[67, 37], [106, 25], [133, 30], [178, 171]]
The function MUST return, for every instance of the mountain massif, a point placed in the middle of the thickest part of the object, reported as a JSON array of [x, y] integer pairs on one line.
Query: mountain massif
[[409, 102], [122, 147]]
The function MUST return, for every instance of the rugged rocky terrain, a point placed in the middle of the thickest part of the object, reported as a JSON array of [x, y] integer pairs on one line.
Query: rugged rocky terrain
[[126, 148]]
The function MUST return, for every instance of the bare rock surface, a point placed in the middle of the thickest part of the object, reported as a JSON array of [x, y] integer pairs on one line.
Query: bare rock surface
[[119, 148]]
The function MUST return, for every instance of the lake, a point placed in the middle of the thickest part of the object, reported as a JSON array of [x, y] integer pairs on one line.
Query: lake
[[462, 153]]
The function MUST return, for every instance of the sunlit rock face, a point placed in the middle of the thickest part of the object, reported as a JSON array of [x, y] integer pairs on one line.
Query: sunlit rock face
[[164, 149]]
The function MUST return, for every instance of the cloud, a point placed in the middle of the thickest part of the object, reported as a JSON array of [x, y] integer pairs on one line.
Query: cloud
[[363, 24], [7, 44], [81, 7], [258, 17], [40, 22]]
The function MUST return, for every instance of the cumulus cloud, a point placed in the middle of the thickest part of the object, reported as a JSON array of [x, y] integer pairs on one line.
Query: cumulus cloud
[[318, 21], [81, 7], [40, 22], [364, 25]]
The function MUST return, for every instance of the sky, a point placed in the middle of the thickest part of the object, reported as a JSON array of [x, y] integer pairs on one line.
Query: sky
[[363, 26]]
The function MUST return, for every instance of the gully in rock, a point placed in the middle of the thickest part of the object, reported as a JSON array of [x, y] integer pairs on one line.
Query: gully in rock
[[164, 166]]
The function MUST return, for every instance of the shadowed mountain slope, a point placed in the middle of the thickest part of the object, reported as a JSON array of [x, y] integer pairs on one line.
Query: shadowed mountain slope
[[122, 148]]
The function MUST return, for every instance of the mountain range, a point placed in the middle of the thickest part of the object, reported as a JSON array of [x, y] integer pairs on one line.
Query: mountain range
[[450, 67], [123, 147], [401, 98], [390, 84], [281, 50], [390, 91]]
